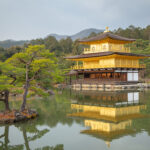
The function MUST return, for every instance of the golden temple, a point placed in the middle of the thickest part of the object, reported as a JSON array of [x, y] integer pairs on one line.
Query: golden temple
[[108, 60]]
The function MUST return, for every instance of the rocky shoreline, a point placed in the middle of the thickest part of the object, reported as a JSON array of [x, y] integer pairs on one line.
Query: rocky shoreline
[[17, 116]]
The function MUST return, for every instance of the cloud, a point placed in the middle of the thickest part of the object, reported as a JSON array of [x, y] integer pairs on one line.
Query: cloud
[[27, 19]]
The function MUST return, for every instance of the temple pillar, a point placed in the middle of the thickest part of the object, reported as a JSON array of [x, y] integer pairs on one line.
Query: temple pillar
[[70, 80], [77, 64]]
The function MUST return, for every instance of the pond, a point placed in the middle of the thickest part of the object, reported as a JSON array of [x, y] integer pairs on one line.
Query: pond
[[83, 120]]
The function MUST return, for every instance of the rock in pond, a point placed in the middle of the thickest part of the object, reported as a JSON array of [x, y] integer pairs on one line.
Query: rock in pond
[[16, 116]]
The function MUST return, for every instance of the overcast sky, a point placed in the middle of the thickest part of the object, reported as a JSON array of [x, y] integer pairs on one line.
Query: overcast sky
[[28, 19]]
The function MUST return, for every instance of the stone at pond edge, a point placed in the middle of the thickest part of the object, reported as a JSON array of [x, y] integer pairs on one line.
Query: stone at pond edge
[[16, 116], [50, 92]]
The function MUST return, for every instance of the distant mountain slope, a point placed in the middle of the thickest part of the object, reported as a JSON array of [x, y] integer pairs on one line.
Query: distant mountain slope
[[59, 37], [79, 35], [85, 33], [9, 43]]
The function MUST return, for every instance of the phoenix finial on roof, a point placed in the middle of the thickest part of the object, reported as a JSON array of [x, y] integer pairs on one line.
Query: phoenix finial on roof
[[106, 30]]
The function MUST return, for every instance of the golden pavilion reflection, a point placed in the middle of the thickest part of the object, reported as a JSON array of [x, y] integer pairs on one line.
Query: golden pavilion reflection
[[109, 117]]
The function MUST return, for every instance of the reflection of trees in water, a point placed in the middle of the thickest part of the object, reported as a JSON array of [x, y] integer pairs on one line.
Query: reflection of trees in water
[[143, 124], [54, 111], [4, 144], [57, 147]]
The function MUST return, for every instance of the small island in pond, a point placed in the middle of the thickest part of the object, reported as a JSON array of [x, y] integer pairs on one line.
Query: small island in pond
[[29, 73]]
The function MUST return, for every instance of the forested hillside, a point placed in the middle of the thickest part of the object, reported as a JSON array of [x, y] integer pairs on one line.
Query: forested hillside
[[142, 44], [9, 43], [67, 46]]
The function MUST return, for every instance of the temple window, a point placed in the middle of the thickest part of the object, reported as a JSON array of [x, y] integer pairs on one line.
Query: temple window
[[104, 47], [110, 47], [93, 48]]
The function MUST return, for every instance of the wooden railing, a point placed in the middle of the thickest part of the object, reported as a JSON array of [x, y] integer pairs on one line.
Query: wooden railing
[[76, 67], [125, 50], [142, 65], [86, 50]]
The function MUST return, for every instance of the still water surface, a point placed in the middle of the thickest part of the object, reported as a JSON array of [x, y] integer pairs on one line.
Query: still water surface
[[79, 120]]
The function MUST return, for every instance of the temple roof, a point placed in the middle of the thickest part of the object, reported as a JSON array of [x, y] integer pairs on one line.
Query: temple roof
[[109, 136], [106, 35], [115, 119], [100, 54]]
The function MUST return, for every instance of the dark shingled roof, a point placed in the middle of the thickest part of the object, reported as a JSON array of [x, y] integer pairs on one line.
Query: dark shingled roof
[[107, 35], [100, 54]]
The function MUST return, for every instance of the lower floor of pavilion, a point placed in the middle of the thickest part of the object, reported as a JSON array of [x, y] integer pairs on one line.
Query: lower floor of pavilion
[[105, 76]]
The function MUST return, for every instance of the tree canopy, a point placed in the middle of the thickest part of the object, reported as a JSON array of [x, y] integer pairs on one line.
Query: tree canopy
[[35, 69]]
